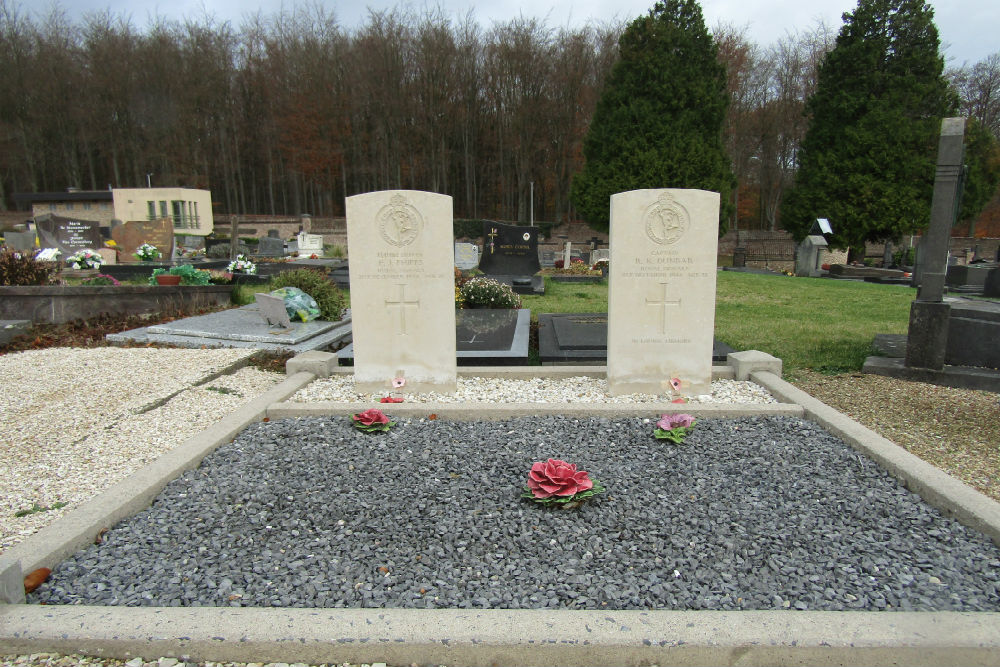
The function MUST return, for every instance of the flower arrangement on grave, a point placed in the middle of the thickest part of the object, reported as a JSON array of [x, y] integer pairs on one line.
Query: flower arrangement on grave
[[189, 275], [577, 267], [674, 427], [101, 279], [483, 292], [48, 255], [85, 259], [558, 482], [242, 264], [147, 253], [372, 420]]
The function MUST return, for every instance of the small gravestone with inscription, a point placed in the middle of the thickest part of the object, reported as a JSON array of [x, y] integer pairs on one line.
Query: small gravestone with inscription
[[402, 290], [269, 246], [661, 296], [68, 235], [466, 256]]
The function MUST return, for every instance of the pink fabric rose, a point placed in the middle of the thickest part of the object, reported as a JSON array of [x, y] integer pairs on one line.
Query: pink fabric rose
[[371, 417], [557, 478]]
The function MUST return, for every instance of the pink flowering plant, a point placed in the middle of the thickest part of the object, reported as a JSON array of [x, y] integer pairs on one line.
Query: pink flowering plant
[[556, 481], [674, 427], [372, 421]]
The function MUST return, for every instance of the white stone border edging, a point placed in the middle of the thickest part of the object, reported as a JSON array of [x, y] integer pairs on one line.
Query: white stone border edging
[[939, 489]]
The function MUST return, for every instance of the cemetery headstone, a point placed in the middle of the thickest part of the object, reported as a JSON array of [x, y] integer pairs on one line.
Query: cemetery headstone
[[272, 309], [23, 241], [68, 235], [510, 255], [109, 255], [310, 244], [466, 256], [568, 255], [807, 256], [402, 290], [661, 297], [270, 246], [130, 235]]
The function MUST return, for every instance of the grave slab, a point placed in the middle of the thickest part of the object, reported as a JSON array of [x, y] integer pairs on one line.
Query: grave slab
[[485, 336], [242, 324], [582, 338]]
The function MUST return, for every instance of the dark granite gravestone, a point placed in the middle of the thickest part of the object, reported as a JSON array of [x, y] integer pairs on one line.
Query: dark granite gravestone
[[510, 255], [68, 235], [968, 278], [130, 235], [270, 246], [582, 338], [485, 337], [23, 241]]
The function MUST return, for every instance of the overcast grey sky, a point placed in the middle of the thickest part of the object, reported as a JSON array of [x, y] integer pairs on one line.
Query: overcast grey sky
[[969, 29]]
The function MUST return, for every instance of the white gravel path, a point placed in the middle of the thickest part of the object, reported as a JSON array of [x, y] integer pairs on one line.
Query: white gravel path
[[75, 421], [579, 389]]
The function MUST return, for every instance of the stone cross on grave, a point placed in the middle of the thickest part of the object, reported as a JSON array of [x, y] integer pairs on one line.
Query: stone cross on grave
[[402, 304], [663, 303], [492, 235]]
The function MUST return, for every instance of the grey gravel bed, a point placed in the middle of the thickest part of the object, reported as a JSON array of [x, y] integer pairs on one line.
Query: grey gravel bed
[[751, 513]]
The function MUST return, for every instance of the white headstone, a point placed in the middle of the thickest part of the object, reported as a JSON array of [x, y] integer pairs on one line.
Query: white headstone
[[310, 244], [567, 255], [661, 296], [402, 290], [466, 256]]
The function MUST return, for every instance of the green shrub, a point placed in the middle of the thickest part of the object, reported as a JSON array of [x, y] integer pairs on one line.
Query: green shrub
[[19, 268], [489, 293], [314, 282], [189, 275]]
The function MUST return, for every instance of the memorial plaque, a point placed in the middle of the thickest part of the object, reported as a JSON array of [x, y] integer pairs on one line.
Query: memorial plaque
[[661, 296], [310, 244], [271, 247], [68, 235], [130, 235], [402, 290]]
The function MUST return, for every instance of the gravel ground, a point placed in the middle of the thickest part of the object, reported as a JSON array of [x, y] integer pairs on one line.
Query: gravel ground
[[77, 421], [958, 430], [750, 513]]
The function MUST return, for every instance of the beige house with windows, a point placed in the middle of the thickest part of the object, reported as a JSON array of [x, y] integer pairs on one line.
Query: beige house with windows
[[190, 209]]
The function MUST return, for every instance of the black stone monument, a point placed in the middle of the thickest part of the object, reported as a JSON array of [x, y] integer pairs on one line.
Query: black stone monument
[[510, 255], [67, 234]]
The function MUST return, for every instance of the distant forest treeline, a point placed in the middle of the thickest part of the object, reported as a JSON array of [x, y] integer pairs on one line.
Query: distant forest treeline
[[291, 113]]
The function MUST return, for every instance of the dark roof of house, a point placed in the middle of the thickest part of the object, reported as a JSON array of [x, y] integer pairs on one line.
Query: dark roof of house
[[82, 195]]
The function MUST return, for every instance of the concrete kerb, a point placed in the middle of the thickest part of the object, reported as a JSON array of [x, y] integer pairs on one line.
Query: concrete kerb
[[936, 487], [484, 637]]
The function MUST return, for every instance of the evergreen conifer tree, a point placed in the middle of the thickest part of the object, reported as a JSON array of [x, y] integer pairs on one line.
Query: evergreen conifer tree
[[659, 120], [867, 160]]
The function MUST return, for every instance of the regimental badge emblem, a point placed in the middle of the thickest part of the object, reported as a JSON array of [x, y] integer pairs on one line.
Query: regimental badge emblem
[[666, 220], [398, 222]]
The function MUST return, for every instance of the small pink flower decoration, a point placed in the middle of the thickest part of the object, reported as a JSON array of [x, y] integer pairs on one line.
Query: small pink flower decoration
[[397, 383], [675, 383]]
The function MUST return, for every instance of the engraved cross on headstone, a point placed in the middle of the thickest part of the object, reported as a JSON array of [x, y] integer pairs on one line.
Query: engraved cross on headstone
[[492, 235], [663, 303], [402, 304]]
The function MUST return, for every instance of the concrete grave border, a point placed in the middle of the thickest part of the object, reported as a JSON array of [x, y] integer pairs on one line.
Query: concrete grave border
[[496, 637]]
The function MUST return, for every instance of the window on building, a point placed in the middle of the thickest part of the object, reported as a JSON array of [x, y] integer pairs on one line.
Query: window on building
[[86, 206], [163, 208], [177, 212], [150, 210], [69, 206]]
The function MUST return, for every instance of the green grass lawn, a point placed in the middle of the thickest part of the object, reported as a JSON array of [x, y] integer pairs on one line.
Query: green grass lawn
[[826, 325]]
